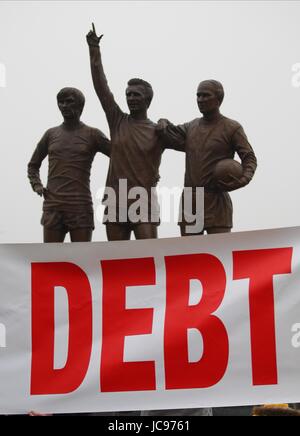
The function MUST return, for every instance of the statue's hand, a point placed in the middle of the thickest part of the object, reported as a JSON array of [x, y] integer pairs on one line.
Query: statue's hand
[[40, 190], [92, 39], [235, 183], [162, 124]]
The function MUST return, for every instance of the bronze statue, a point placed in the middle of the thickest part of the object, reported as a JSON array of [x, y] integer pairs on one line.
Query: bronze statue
[[136, 149], [71, 148], [206, 142]]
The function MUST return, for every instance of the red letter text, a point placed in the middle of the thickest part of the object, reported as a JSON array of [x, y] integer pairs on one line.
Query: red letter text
[[180, 316], [45, 277], [117, 375], [260, 266]]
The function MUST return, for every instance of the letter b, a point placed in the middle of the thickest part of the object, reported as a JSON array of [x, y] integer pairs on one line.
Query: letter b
[[180, 317]]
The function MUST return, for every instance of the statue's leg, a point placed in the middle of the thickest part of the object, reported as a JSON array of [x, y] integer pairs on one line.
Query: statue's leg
[[184, 233], [54, 228], [51, 235], [81, 235], [145, 231], [118, 232]]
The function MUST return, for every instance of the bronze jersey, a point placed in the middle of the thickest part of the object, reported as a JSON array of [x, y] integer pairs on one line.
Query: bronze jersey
[[70, 153]]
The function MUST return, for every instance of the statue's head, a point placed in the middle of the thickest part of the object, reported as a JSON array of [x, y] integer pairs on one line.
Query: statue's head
[[210, 95], [71, 103], [139, 94]]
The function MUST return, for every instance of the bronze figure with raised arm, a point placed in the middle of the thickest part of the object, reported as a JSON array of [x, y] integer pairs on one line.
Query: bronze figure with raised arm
[[71, 148], [136, 152]]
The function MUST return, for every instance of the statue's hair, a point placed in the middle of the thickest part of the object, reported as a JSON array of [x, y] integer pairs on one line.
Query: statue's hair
[[147, 87], [217, 87], [75, 93]]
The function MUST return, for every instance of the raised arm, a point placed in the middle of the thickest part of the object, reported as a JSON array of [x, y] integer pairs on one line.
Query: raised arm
[[99, 79], [172, 137], [34, 166]]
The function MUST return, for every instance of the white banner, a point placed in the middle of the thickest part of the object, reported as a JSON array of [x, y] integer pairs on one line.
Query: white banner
[[160, 324]]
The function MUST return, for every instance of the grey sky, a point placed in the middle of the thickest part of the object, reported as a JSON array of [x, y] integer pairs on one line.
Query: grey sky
[[249, 46]]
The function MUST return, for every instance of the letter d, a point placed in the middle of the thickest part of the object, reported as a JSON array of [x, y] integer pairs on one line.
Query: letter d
[[45, 379]]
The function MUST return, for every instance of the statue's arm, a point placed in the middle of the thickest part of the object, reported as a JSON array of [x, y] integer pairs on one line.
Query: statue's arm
[[33, 169], [172, 137], [246, 154], [103, 144], [99, 79]]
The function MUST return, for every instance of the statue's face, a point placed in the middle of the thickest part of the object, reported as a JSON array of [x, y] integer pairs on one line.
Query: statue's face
[[136, 98], [68, 106], [207, 99]]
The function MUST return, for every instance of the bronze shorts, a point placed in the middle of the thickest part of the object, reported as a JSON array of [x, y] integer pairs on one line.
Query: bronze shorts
[[67, 221]]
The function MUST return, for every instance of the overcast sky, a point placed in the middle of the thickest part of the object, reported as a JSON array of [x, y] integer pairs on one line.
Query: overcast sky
[[250, 47]]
